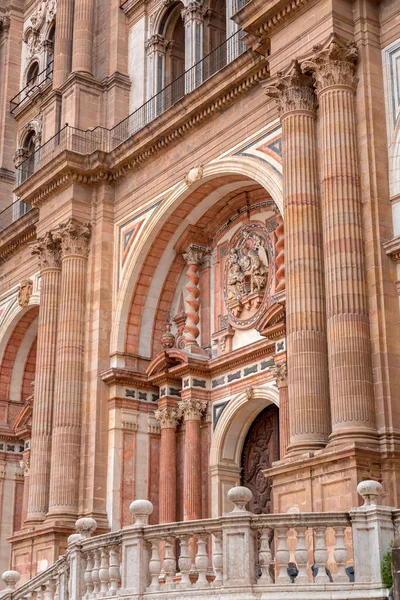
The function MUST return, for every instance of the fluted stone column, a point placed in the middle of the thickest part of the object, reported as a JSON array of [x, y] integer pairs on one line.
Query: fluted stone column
[[349, 345], [192, 411], [63, 42], [67, 422], [48, 251], [305, 311], [168, 417], [280, 374], [83, 37]]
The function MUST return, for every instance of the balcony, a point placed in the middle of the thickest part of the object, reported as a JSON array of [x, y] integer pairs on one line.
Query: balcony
[[12, 213], [106, 140], [32, 88], [323, 555]]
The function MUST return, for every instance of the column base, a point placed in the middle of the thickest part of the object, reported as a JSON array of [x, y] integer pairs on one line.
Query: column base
[[360, 435], [326, 480]]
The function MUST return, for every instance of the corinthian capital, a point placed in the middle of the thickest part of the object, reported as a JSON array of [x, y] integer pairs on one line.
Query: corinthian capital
[[333, 64], [74, 238], [168, 417], [192, 410], [280, 374], [292, 90], [194, 10], [194, 255], [48, 251]]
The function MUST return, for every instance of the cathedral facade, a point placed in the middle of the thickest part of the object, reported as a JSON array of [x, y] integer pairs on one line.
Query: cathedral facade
[[199, 240]]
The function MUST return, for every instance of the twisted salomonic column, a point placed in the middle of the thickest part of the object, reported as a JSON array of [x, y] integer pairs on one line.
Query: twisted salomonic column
[[66, 442], [48, 251], [349, 345], [193, 19], [193, 258], [280, 374], [168, 417], [306, 336], [280, 255], [192, 411], [83, 36], [63, 42]]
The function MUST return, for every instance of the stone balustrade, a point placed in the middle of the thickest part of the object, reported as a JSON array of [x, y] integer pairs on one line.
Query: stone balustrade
[[241, 555]]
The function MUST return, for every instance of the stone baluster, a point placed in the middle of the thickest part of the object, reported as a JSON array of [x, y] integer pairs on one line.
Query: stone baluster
[[192, 411], [349, 345], [217, 558], [49, 589], [40, 592], [280, 374], [168, 417], [10, 578], [193, 257], [169, 564], [201, 561], [88, 575], [184, 562], [321, 555], [340, 555], [265, 557], [281, 555], [48, 252], [154, 565], [95, 573], [301, 557], [280, 255], [114, 570], [63, 42], [74, 239], [103, 571], [305, 307]]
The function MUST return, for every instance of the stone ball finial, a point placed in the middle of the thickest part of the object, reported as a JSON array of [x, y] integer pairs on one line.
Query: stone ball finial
[[85, 526], [11, 579], [141, 510], [75, 537], [240, 496], [370, 491]]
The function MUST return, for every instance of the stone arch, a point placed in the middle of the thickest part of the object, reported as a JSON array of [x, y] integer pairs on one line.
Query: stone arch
[[247, 167], [228, 439]]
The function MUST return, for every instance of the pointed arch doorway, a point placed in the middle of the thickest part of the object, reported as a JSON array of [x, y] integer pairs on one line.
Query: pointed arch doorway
[[260, 450]]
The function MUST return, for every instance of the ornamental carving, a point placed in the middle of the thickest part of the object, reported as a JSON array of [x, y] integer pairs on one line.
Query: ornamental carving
[[74, 238], [48, 251], [168, 417], [293, 91], [280, 374], [25, 292], [35, 36], [333, 64], [247, 275], [5, 23], [191, 409], [194, 175], [25, 465]]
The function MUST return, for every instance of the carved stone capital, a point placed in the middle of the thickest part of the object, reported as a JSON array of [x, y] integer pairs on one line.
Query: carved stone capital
[[192, 410], [167, 416], [157, 43], [5, 23], [280, 374], [293, 91], [333, 64], [48, 251], [193, 11], [194, 255], [74, 238], [25, 465]]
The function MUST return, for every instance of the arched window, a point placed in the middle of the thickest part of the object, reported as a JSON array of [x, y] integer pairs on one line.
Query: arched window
[[32, 75], [215, 29], [49, 46]]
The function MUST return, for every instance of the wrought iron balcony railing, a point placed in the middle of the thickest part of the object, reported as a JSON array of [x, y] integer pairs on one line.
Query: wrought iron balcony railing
[[12, 213], [33, 86], [106, 140]]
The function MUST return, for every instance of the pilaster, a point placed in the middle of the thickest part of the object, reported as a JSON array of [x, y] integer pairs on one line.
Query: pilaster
[[280, 374]]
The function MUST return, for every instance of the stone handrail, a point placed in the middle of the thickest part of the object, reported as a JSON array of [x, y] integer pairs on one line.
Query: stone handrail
[[48, 583]]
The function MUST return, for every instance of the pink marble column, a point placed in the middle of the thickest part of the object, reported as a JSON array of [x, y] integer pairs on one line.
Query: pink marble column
[[280, 374], [48, 251], [307, 359], [168, 417], [192, 411], [350, 366], [74, 240]]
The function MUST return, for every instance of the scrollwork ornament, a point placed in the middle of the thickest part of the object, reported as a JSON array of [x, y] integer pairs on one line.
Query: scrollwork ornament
[[167, 416], [48, 251], [74, 238]]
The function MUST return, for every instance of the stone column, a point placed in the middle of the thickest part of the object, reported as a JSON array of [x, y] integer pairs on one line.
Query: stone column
[[349, 345], [192, 411], [305, 325], [193, 19], [67, 421], [83, 37], [63, 42], [193, 258], [280, 374], [156, 48], [48, 251], [168, 417]]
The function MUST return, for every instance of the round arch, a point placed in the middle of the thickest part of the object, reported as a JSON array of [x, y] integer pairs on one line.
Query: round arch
[[228, 440], [262, 173]]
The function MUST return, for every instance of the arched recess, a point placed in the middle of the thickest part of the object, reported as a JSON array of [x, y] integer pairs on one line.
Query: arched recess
[[228, 440], [246, 167]]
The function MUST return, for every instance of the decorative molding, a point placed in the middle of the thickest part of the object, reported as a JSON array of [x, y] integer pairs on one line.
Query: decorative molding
[[74, 238], [280, 374], [192, 409], [293, 91], [47, 248], [25, 292], [168, 417]]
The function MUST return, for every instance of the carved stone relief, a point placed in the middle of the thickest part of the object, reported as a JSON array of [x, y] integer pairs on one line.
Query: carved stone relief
[[25, 292]]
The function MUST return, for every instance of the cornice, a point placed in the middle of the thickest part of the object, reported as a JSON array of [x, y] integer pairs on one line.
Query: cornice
[[241, 356], [392, 248], [124, 376], [261, 18], [69, 167], [18, 234]]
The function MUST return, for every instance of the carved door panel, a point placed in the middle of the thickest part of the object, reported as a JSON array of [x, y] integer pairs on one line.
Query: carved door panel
[[260, 450]]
